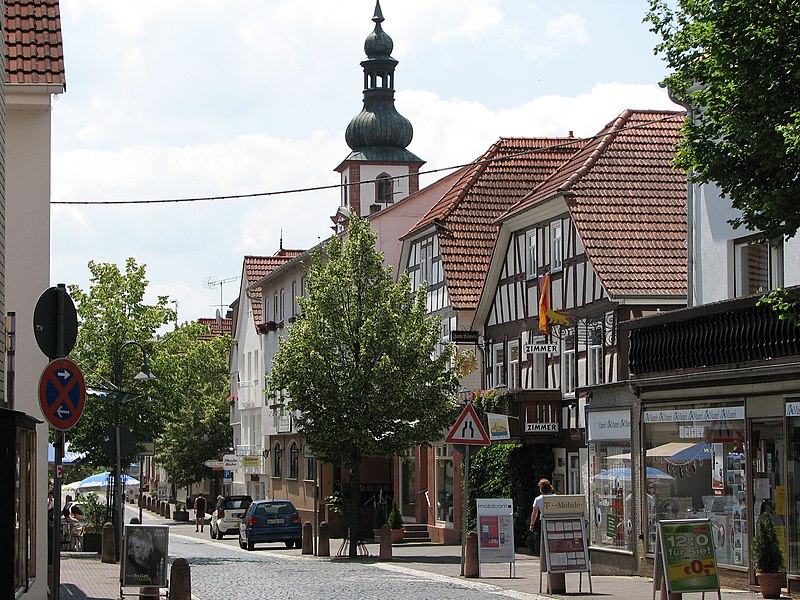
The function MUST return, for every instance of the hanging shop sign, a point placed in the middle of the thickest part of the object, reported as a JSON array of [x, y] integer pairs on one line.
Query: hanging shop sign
[[251, 461], [542, 428], [609, 425], [541, 348], [498, 427]]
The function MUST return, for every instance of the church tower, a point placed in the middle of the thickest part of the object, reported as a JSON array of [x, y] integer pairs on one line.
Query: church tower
[[379, 170]]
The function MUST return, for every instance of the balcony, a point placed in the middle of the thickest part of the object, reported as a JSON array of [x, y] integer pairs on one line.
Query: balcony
[[733, 332]]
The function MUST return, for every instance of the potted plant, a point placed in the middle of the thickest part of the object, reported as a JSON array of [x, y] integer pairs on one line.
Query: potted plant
[[395, 523], [180, 513], [768, 557], [94, 518]]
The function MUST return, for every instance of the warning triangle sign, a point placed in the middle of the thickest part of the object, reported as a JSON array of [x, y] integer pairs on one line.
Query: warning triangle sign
[[468, 429]]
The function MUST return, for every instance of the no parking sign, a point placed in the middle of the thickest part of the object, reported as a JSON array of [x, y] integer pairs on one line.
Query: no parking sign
[[62, 393]]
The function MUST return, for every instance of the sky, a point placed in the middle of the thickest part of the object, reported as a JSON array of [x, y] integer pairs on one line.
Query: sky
[[172, 99]]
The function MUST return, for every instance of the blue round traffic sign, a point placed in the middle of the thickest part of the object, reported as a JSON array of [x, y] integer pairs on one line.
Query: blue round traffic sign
[[62, 393]]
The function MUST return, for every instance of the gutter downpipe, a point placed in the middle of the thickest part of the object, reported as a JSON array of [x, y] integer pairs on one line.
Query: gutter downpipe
[[690, 214]]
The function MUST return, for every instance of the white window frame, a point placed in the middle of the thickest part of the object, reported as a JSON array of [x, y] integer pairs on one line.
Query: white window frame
[[556, 246], [513, 361], [594, 355], [531, 267], [498, 366], [740, 266], [568, 372]]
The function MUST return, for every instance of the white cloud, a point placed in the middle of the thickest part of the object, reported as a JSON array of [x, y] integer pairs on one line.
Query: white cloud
[[567, 30]]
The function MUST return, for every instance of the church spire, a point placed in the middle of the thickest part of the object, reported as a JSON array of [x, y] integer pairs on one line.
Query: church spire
[[379, 132]]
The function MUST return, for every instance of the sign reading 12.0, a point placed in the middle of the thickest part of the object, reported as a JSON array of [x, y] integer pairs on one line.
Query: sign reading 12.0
[[62, 393], [688, 552]]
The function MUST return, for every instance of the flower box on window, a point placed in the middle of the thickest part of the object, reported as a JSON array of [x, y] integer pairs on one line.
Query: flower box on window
[[268, 326]]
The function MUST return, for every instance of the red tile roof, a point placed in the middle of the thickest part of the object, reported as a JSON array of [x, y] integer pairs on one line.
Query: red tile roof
[[224, 327], [257, 267], [467, 213], [628, 203], [34, 51]]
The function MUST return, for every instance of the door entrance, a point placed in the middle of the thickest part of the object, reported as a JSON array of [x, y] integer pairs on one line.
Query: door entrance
[[767, 484]]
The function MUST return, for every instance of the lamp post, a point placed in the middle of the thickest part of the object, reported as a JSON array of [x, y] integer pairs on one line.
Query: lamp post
[[144, 374]]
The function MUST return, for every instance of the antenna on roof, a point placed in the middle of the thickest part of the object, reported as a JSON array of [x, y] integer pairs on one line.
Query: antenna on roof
[[281, 242], [211, 282]]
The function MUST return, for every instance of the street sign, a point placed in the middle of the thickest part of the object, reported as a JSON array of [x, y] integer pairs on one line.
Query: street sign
[[62, 393], [55, 316], [230, 462], [213, 464], [109, 442], [468, 429], [464, 337]]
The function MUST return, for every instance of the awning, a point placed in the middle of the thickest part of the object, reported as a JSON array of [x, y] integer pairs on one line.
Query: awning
[[674, 450]]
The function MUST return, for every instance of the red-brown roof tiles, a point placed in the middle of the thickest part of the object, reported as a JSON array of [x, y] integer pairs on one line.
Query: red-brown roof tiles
[[223, 327], [466, 215], [34, 51], [628, 203], [257, 267]]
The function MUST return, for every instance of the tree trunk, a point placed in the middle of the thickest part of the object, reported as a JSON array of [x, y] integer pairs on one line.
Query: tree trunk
[[355, 505]]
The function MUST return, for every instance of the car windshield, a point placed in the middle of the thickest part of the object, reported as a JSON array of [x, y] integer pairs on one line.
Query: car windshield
[[232, 503], [275, 508]]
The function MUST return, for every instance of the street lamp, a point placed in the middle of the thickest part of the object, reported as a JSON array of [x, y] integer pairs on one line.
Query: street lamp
[[144, 374]]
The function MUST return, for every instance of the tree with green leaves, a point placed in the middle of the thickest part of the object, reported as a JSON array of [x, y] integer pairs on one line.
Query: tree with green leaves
[[362, 366], [737, 62], [112, 312], [193, 371]]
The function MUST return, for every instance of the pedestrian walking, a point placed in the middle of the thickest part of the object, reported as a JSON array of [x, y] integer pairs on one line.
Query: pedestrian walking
[[545, 489], [200, 506]]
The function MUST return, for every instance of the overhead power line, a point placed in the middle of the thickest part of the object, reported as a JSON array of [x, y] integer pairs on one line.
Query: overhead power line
[[341, 185]]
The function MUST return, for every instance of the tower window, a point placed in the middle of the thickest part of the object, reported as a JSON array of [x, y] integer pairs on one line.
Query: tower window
[[385, 189]]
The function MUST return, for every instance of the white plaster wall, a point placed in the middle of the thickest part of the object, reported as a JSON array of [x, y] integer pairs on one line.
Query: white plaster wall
[[713, 266], [27, 259], [370, 172]]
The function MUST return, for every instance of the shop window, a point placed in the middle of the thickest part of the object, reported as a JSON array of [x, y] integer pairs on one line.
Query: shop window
[[696, 468], [757, 267], [531, 267], [613, 506], [498, 365], [294, 461], [444, 484]]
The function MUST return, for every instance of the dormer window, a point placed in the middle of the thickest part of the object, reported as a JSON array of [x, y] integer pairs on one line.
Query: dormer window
[[384, 189]]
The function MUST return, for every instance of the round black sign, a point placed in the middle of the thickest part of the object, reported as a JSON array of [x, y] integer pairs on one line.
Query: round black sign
[[55, 312]]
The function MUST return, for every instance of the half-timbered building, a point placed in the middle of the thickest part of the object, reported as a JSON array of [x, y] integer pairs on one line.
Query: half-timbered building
[[600, 241]]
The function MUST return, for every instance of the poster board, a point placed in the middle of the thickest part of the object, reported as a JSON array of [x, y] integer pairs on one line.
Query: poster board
[[144, 556], [495, 530], [685, 557], [565, 548]]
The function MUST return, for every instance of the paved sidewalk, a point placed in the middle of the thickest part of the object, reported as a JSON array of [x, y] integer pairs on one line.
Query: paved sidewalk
[[85, 577]]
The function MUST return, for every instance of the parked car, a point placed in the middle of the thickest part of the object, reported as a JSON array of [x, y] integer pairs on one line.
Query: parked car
[[271, 521], [227, 515]]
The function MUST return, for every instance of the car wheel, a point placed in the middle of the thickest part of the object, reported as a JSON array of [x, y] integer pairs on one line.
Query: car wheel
[[289, 544], [241, 541], [211, 532], [251, 545]]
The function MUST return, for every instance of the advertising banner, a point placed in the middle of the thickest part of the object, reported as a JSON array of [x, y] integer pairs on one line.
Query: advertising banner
[[685, 557], [144, 556], [495, 530], [565, 544]]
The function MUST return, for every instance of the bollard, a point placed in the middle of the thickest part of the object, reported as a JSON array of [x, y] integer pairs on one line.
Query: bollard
[[109, 551], [180, 580], [471, 565], [557, 583], [386, 543], [308, 538], [162, 508], [147, 502], [324, 544], [167, 510]]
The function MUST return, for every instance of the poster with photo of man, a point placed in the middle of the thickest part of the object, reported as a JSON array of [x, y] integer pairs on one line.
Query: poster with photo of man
[[144, 556]]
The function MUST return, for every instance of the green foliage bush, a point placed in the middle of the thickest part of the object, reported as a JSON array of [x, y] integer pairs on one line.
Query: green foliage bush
[[395, 519], [767, 555]]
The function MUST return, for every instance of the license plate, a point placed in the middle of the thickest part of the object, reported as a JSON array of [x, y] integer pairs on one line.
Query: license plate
[[274, 521], [237, 515]]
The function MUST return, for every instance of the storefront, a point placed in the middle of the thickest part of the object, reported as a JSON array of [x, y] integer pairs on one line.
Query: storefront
[[793, 496], [613, 481]]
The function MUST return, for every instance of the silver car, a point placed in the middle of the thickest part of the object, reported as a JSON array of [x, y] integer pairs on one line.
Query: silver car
[[227, 515]]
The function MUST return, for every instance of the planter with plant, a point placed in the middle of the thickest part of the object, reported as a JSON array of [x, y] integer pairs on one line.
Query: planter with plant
[[768, 557], [180, 513], [93, 520], [395, 523]]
